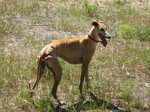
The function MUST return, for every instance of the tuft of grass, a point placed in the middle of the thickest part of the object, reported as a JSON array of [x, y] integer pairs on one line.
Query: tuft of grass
[[15, 7], [138, 103], [7, 26], [120, 3], [132, 32], [126, 95], [78, 15]]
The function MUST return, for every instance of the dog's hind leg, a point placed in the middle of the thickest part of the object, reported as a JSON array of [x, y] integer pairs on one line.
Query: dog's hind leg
[[54, 65], [51, 69]]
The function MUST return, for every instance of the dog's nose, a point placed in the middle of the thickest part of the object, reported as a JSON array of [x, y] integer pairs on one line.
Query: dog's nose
[[108, 36]]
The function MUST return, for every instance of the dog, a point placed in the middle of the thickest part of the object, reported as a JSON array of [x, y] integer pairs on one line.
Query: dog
[[74, 51]]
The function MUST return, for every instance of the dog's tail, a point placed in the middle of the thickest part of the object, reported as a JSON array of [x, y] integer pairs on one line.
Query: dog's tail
[[40, 71], [30, 85]]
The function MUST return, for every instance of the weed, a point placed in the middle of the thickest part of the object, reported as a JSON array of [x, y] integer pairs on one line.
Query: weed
[[136, 32], [126, 95], [138, 103], [89, 10], [77, 15], [143, 34], [44, 105], [120, 2], [7, 26]]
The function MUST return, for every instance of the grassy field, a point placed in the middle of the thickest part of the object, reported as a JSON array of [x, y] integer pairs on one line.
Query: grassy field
[[119, 74]]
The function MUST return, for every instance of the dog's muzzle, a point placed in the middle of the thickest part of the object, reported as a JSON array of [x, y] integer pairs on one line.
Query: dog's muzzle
[[103, 38]]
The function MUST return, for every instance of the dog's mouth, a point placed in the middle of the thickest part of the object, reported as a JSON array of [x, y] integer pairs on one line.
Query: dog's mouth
[[104, 41]]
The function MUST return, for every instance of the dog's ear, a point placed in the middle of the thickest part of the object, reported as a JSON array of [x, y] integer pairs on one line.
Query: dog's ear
[[95, 24]]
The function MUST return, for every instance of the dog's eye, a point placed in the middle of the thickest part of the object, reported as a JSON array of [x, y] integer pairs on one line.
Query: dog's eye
[[102, 29]]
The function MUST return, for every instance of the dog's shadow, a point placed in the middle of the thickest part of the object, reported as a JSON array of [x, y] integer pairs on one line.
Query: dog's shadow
[[95, 103]]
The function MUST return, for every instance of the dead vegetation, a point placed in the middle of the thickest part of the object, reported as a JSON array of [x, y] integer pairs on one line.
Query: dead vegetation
[[119, 74]]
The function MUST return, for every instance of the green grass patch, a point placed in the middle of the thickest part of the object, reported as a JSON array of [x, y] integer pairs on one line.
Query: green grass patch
[[135, 32]]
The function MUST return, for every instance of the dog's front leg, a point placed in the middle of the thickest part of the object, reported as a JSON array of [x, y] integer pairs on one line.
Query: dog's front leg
[[84, 73], [87, 79]]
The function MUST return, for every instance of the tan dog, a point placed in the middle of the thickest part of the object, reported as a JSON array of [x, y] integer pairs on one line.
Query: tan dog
[[74, 51]]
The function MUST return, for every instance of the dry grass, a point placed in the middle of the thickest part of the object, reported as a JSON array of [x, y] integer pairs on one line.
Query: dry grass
[[119, 74]]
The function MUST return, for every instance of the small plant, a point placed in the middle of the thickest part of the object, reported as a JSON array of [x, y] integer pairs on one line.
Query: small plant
[[127, 94], [126, 31], [44, 105], [89, 10], [141, 0], [138, 103], [142, 33], [120, 2], [7, 26], [134, 32]]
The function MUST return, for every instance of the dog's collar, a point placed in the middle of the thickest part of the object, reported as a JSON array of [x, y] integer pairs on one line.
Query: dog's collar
[[94, 39]]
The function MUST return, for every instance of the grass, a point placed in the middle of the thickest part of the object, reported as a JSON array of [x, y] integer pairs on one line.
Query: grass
[[135, 31], [119, 74]]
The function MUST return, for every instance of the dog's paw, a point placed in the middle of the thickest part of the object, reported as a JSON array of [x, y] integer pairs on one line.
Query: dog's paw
[[62, 103]]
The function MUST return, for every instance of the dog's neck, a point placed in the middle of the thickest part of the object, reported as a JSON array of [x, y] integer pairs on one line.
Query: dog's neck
[[93, 37], [92, 34]]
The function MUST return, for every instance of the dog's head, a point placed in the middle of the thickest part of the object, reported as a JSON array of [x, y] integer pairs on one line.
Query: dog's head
[[100, 31]]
